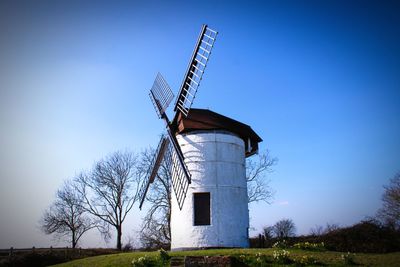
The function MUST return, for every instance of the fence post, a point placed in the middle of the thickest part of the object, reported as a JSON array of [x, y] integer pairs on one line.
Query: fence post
[[11, 252], [33, 249], [51, 249]]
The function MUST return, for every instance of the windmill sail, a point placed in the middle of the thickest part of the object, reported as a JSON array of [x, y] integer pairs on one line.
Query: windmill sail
[[179, 175], [161, 95], [195, 70], [179, 154], [153, 168]]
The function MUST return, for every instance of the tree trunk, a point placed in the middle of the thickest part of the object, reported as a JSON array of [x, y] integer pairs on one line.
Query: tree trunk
[[73, 239], [169, 224], [119, 237], [169, 217]]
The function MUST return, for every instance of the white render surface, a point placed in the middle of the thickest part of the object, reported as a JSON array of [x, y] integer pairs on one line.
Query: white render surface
[[216, 161]]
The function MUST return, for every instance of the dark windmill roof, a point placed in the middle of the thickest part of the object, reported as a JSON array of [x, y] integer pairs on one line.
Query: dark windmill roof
[[204, 119]]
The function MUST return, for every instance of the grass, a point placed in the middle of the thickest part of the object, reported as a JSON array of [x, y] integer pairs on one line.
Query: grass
[[327, 258]]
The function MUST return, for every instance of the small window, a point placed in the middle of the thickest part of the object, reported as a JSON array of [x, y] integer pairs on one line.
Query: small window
[[201, 208]]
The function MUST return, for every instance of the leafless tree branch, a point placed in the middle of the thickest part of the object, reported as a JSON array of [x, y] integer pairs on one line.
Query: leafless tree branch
[[66, 217], [389, 213], [257, 168], [110, 190]]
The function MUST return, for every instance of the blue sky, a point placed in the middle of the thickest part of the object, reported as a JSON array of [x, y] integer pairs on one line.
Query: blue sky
[[319, 81]]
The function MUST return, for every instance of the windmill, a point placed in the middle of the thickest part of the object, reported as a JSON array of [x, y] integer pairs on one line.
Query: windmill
[[205, 152]]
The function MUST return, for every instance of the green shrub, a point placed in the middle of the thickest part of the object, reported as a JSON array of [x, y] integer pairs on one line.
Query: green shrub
[[164, 256], [348, 258], [365, 237], [146, 261], [280, 244], [310, 246], [368, 236], [259, 260], [306, 260], [282, 256]]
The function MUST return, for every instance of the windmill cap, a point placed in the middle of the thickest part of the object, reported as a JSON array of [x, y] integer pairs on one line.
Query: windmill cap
[[207, 120]]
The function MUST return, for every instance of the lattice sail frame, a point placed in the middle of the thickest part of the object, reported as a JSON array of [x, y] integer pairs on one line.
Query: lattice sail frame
[[195, 70], [153, 168], [161, 95], [180, 182]]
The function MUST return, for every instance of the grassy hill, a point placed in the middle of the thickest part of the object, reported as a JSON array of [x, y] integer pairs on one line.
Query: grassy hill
[[251, 257]]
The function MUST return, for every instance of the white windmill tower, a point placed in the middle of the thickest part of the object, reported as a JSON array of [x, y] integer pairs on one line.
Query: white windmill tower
[[206, 153]]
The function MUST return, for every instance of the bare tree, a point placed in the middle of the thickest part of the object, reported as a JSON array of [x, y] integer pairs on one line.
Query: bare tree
[[331, 227], [268, 232], [156, 229], [110, 190], [284, 228], [130, 243], [257, 167], [389, 213], [317, 230], [66, 217]]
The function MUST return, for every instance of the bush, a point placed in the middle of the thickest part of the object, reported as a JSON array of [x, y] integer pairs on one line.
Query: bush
[[280, 244], [50, 256], [146, 261], [164, 256], [348, 259], [364, 237], [306, 260], [258, 260], [310, 246], [281, 256]]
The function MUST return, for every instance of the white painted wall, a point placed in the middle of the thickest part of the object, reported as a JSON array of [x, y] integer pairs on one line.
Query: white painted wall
[[216, 161]]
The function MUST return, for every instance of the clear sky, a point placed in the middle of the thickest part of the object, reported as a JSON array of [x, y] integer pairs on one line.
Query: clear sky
[[319, 81]]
